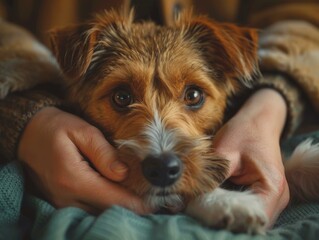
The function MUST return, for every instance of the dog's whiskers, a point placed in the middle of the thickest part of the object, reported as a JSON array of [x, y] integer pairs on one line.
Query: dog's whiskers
[[164, 198]]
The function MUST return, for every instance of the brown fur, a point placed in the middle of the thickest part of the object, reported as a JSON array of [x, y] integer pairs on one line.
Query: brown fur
[[157, 64]]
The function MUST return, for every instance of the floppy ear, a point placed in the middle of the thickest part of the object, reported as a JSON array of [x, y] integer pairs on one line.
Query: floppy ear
[[230, 51], [74, 46]]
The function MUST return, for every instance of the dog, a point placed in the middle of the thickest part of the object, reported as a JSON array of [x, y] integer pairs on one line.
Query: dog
[[159, 94]]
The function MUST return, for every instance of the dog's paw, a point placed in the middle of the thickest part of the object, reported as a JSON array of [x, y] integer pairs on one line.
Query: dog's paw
[[231, 210]]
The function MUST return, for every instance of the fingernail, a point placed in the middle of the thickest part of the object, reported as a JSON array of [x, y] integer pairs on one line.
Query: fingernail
[[118, 167]]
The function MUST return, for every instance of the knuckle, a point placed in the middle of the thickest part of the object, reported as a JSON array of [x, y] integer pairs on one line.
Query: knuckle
[[89, 130], [104, 154], [87, 133]]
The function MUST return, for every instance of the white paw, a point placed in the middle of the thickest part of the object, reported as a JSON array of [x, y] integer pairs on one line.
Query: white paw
[[302, 172], [231, 210]]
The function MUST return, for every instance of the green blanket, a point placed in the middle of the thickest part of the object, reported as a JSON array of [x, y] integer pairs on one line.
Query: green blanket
[[23, 216]]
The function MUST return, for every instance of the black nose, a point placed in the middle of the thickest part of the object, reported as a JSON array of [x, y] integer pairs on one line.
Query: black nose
[[162, 170]]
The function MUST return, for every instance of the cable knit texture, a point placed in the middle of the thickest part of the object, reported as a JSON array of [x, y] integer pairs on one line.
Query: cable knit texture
[[15, 112], [292, 48]]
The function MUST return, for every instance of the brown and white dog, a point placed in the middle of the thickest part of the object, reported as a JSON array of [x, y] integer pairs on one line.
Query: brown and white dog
[[159, 94]]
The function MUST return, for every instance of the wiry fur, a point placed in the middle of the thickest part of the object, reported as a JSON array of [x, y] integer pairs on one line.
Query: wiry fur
[[233, 210], [144, 56], [157, 64], [302, 172], [202, 172]]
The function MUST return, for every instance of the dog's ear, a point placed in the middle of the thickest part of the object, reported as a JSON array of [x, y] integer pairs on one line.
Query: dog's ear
[[74, 46], [231, 51]]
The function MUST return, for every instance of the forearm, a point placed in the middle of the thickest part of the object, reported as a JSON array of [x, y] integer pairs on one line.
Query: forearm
[[266, 109], [263, 170], [250, 141], [262, 117], [292, 95]]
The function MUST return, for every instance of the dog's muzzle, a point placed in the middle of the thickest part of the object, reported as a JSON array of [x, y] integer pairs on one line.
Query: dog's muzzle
[[162, 170]]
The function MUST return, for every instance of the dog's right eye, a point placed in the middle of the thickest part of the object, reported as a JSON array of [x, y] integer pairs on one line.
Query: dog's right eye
[[194, 97], [122, 98]]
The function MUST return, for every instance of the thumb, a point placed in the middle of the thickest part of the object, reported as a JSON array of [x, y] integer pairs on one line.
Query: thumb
[[101, 154]]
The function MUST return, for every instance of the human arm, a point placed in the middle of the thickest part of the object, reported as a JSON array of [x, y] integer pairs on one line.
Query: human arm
[[250, 141], [53, 147], [288, 65], [31, 124], [49, 146]]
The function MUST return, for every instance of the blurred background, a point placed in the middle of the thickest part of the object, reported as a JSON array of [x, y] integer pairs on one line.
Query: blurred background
[[39, 16]]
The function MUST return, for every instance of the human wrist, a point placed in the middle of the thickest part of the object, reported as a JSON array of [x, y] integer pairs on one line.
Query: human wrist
[[44, 114], [38, 119], [265, 109]]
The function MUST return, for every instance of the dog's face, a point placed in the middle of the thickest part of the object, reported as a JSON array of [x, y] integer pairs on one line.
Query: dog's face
[[159, 93]]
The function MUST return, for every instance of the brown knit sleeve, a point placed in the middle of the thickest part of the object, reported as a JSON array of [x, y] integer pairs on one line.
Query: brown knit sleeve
[[15, 112], [289, 61]]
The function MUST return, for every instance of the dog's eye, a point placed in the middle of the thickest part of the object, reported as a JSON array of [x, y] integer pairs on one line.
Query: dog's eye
[[122, 98], [194, 97]]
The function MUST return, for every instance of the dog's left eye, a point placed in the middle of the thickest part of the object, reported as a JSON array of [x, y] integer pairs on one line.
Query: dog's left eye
[[194, 97], [122, 98]]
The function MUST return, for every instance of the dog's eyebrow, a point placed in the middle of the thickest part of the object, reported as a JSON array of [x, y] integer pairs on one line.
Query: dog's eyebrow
[[194, 75], [102, 61]]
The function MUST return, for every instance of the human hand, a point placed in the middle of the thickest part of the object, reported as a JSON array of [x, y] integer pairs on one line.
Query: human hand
[[250, 141], [53, 147]]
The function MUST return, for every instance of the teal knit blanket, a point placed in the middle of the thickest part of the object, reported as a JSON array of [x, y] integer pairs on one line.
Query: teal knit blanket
[[24, 216]]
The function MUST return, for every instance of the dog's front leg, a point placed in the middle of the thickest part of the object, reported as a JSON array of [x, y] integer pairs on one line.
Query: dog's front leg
[[232, 210]]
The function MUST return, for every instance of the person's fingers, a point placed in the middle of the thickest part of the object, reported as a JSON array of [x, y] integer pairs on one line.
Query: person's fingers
[[101, 193], [94, 146], [83, 187]]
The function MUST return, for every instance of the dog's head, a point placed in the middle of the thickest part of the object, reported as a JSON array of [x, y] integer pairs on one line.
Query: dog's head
[[159, 92]]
